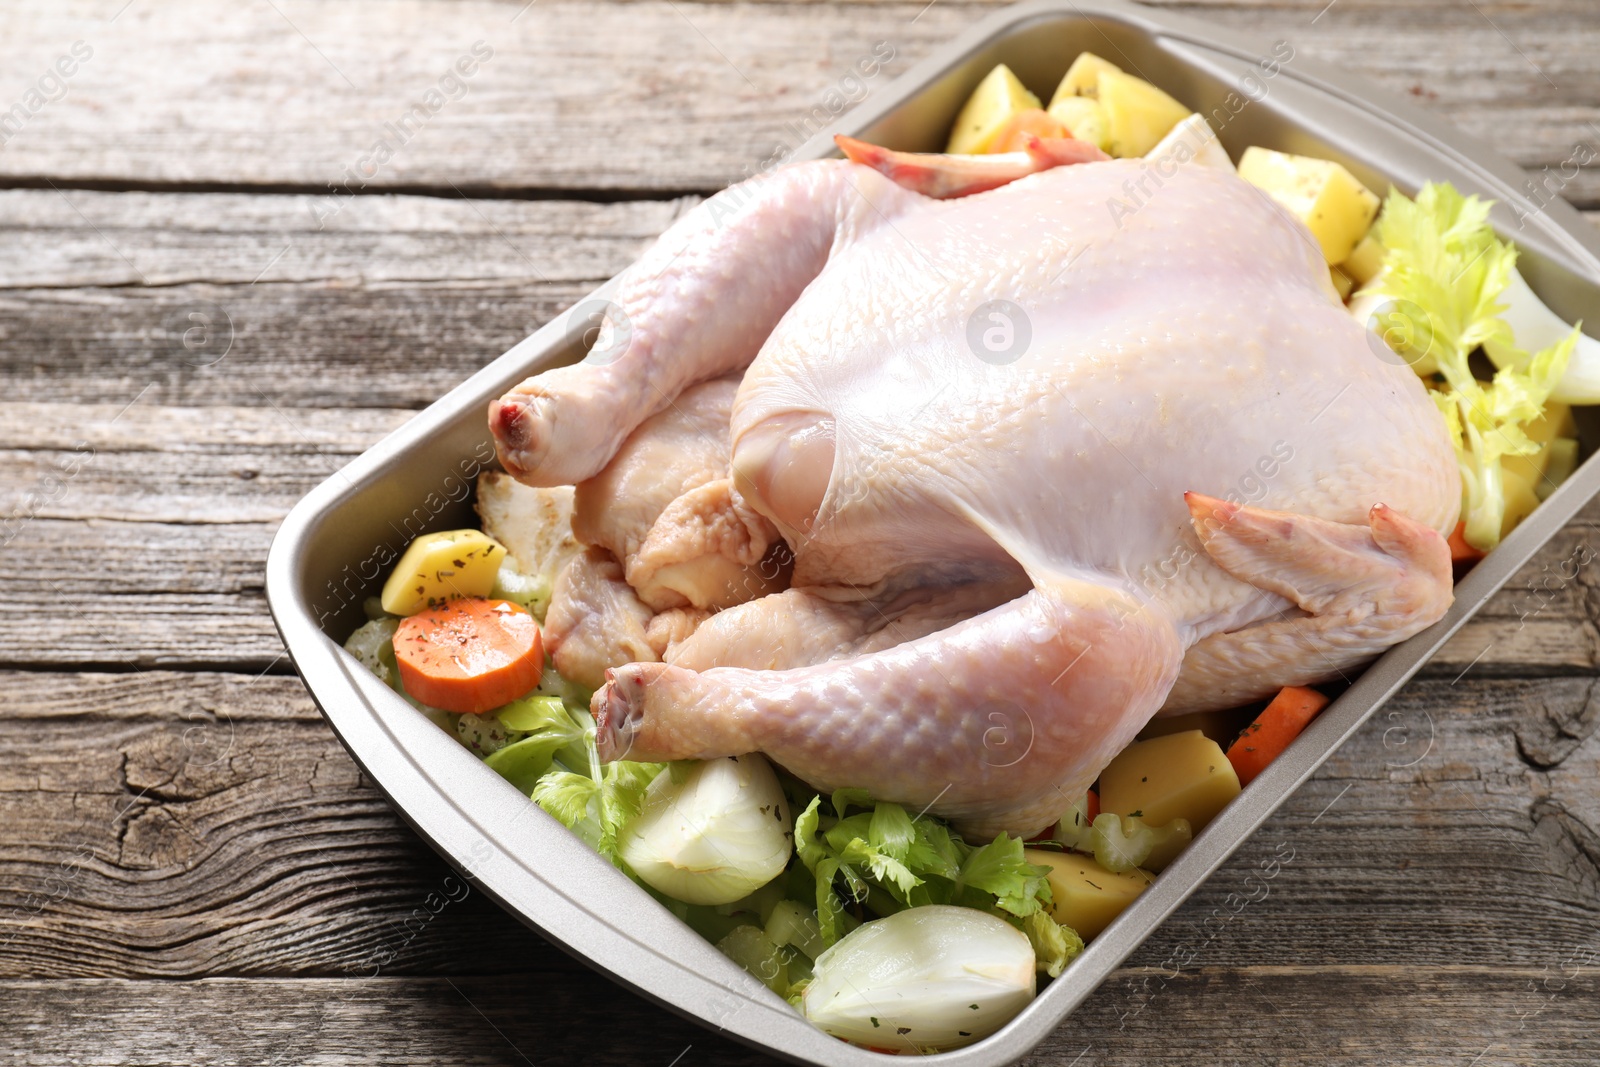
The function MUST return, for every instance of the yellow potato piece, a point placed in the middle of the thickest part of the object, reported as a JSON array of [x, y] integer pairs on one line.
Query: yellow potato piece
[[439, 566], [1083, 118], [1179, 776], [1557, 422], [999, 96], [1336, 208], [1527, 480], [1364, 263], [1083, 77], [1138, 114], [1563, 461], [1083, 894], [1519, 478]]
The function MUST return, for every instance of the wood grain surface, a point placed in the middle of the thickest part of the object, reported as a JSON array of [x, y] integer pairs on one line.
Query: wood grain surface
[[193, 871]]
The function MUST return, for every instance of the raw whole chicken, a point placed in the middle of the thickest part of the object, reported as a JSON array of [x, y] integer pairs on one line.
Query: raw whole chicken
[[1042, 470]]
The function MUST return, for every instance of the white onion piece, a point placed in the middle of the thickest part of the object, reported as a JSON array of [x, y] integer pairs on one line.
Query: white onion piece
[[1192, 140], [937, 976], [716, 836], [1536, 327]]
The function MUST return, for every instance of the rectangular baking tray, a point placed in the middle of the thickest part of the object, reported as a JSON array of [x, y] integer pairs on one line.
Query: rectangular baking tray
[[334, 545]]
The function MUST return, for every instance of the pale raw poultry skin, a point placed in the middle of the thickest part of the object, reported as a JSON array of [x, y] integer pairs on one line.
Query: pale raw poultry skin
[[998, 578]]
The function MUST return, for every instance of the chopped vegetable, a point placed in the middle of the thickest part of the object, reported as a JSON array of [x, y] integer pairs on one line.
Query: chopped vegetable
[[1563, 461], [1029, 121], [1517, 485], [512, 583], [999, 96], [889, 861], [438, 566], [484, 734], [794, 924], [1054, 945], [711, 832], [751, 949], [1363, 264], [1122, 842], [1083, 118], [1073, 828], [372, 645], [1084, 895], [932, 977], [537, 727], [1443, 273], [1138, 115], [470, 655], [1192, 139], [598, 805], [1083, 77], [1179, 776], [1535, 326], [1336, 208], [1264, 740]]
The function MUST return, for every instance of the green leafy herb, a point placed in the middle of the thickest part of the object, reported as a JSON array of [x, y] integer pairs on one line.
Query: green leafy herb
[[883, 858], [1054, 945]]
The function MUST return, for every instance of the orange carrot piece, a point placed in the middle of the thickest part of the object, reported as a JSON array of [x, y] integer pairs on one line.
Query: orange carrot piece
[[1094, 805], [1028, 120], [1265, 739], [470, 654]]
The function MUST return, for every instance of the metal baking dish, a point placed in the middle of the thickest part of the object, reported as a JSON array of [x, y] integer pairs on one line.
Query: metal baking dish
[[333, 546]]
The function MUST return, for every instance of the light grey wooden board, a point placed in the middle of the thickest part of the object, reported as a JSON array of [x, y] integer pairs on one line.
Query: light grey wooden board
[[649, 96]]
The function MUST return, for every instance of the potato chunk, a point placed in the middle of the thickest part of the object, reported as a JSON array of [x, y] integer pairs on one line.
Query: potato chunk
[[442, 565], [1336, 208], [1083, 894], [999, 96], [1364, 263], [1084, 120], [1179, 776], [1083, 77], [1138, 114]]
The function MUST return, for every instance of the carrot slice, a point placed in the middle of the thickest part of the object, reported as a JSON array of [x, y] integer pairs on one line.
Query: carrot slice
[[1028, 120], [1094, 805], [469, 654], [1265, 739]]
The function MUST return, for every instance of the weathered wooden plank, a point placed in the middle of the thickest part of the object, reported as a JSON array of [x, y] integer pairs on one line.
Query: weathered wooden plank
[[394, 302], [179, 826], [648, 96], [320, 345], [69, 239], [387, 304], [1239, 1017], [134, 462]]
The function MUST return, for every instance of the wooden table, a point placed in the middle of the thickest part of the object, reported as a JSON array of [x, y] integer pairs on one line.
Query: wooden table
[[193, 871]]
